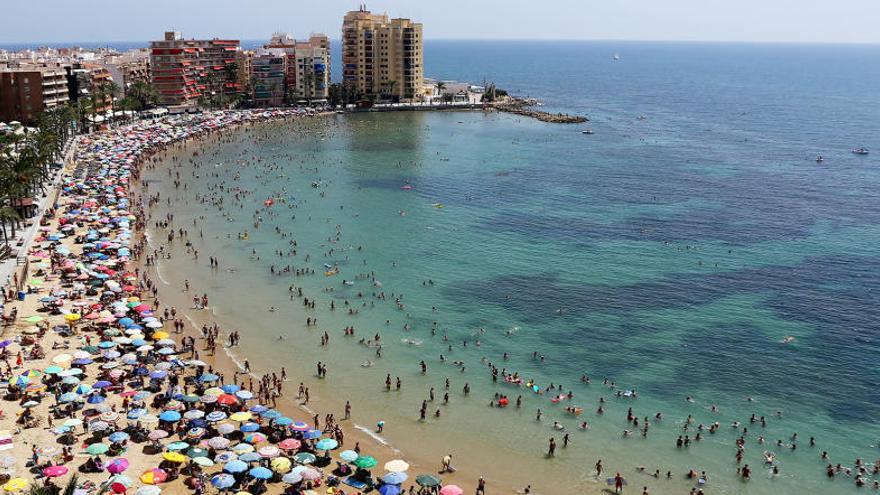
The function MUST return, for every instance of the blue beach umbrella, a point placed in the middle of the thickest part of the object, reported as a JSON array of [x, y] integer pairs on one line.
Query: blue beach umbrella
[[222, 481], [230, 388], [170, 416], [136, 413], [118, 436], [209, 377], [270, 414], [235, 466], [244, 395], [348, 455], [68, 397], [283, 421], [260, 473], [312, 434], [250, 427], [259, 408], [394, 478], [95, 399]]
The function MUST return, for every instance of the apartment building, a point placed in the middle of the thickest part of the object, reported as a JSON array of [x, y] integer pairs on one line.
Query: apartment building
[[382, 57], [269, 69], [185, 72], [308, 65], [28, 91]]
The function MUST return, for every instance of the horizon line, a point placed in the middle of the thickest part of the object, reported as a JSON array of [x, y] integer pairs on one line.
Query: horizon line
[[66, 44]]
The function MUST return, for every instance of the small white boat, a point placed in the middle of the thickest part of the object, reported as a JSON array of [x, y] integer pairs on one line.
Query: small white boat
[[587, 131], [860, 151], [819, 159], [616, 57]]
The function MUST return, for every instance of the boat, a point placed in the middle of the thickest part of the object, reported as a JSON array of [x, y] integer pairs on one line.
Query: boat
[[587, 131], [860, 151], [819, 159], [616, 57]]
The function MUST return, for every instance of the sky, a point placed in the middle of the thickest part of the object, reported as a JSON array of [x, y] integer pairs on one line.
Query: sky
[[823, 21]]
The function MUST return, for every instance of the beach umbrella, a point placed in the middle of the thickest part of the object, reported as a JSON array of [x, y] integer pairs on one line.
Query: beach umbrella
[[225, 428], [121, 479], [209, 377], [195, 433], [451, 490], [218, 442], [254, 437], [154, 476], [235, 466], [117, 466], [366, 462], [250, 427], [68, 397], [53, 370], [136, 413], [269, 452], [243, 448], [258, 409], [291, 478], [230, 388], [225, 457], [281, 465], [396, 466], [203, 461], [292, 444], [250, 457], [312, 434], [282, 421], [330, 444], [308, 474], [157, 434], [101, 384], [174, 446], [196, 452], [394, 478], [72, 422], [226, 400], [304, 458], [118, 436], [300, 426], [222, 481], [96, 399], [97, 449], [240, 416], [170, 416], [215, 416], [244, 395], [270, 414], [15, 485], [389, 489], [174, 457], [260, 473], [98, 425], [148, 490], [345, 455], [54, 471]]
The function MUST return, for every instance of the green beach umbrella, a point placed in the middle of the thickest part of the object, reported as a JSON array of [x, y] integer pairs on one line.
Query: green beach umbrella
[[97, 449], [51, 370], [428, 480], [34, 319], [366, 462]]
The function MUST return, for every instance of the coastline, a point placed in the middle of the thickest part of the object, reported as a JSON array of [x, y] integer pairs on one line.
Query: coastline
[[227, 362]]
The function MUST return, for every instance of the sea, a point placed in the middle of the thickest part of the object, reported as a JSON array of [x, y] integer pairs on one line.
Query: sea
[[691, 257]]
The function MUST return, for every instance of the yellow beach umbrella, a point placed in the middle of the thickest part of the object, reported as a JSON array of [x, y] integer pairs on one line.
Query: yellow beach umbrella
[[396, 466], [71, 317], [240, 416], [161, 335], [175, 457], [281, 465], [15, 485], [214, 391]]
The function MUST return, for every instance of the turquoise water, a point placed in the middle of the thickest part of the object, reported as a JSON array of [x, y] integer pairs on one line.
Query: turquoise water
[[671, 254]]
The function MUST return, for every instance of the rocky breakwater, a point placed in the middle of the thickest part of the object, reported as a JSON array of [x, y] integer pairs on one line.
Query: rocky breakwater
[[520, 106]]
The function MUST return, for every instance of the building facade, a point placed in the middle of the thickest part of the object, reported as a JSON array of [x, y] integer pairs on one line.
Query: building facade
[[189, 72], [269, 69], [382, 57], [26, 92], [307, 75]]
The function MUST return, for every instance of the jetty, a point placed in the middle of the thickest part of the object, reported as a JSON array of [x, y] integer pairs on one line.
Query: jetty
[[524, 107]]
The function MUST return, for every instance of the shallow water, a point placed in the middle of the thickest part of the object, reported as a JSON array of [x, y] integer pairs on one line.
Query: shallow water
[[668, 254]]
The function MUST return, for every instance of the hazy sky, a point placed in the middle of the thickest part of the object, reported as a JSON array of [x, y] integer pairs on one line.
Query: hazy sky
[[721, 20]]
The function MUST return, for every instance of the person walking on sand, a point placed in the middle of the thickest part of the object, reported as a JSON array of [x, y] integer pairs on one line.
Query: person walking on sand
[[481, 486], [618, 483], [447, 464]]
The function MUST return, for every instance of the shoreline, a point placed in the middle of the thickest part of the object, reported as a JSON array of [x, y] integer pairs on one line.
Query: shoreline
[[230, 363]]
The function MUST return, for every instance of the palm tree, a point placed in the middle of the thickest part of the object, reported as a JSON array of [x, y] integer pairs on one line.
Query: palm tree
[[390, 84], [144, 93], [440, 87]]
